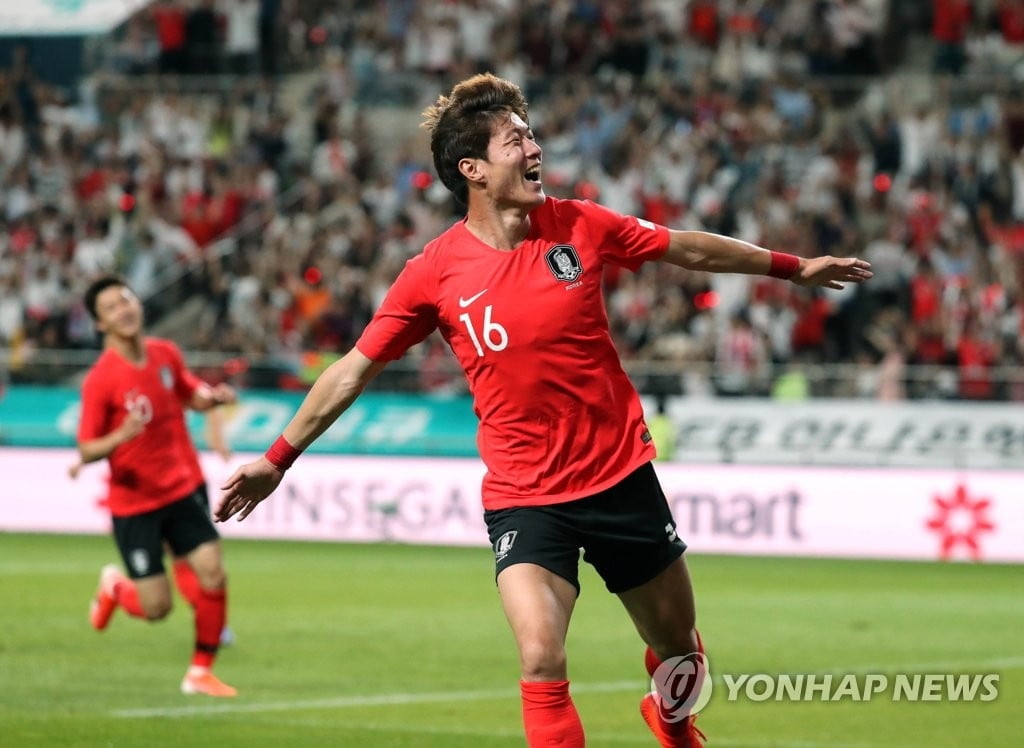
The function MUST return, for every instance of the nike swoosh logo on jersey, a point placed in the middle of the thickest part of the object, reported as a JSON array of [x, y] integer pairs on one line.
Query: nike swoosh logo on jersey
[[463, 303]]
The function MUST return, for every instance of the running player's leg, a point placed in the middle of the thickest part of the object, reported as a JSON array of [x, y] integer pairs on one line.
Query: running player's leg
[[663, 612], [145, 592], [185, 577], [538, 605], [631, 541], [536, 560], [192, 536]]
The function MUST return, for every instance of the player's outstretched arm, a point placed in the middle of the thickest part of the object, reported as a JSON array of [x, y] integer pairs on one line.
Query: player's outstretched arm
[[206, 397], [332, 393], [714, 253]]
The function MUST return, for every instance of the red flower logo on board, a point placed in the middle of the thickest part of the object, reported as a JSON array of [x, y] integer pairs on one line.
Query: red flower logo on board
[[960, 520]]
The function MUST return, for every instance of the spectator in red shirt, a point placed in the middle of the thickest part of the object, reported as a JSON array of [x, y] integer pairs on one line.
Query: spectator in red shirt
[[170, 19], [704, 25], [950, 20], [925, 293], [975, 356], [1011, 20]]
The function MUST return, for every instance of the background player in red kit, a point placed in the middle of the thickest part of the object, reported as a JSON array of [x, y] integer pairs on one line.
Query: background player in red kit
[[133, 402], [515, 289]]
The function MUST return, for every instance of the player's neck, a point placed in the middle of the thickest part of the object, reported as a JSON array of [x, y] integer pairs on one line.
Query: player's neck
[[500, 229], [132, 349]]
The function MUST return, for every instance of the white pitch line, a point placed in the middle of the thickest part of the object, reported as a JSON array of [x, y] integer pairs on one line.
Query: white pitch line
[[429, 697], [347, 702]]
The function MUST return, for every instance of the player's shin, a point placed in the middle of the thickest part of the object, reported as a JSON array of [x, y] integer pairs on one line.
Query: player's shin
[[670, 729], [210, 614], [186, 581]]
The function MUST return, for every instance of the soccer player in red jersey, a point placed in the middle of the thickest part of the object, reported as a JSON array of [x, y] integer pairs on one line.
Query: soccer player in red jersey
[[133, 402], [515, 289]]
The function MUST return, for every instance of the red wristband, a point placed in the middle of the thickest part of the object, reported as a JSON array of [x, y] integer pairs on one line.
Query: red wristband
[[783, 265], [282, 454]]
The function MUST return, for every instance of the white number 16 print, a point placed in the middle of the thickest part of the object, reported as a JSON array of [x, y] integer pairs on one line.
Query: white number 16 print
[[494, 336]]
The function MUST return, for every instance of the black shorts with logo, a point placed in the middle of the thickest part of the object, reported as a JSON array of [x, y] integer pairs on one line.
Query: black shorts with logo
[[626, 532], [185, 524]]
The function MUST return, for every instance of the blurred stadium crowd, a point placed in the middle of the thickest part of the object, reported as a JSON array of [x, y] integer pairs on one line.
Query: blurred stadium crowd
[[804, 126]]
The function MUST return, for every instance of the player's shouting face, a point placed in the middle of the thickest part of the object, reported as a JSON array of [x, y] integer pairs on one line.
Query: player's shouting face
[[118, 312], [513, 164]]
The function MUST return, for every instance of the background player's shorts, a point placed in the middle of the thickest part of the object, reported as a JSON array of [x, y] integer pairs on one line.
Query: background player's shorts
[[626, 532], [203, 497], [185, 524]]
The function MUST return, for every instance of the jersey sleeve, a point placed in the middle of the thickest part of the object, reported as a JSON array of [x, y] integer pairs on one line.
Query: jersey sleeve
[[185, 382], [407, 315], [625, 240], [93, 418]]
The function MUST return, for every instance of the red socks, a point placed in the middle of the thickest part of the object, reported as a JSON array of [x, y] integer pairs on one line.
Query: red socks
[[681, 733], [210, 607], [186, 581], [211, 612], [549, 715], [651, 661], [127, 596]]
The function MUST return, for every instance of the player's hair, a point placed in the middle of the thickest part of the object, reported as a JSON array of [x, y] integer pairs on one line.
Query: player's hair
[[97, 287], [460, 124]]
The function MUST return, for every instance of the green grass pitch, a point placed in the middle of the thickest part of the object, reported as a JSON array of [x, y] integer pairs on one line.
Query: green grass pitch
[[387, 645]]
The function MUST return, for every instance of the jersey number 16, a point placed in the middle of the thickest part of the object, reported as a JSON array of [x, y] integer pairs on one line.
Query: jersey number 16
[[495, 337]]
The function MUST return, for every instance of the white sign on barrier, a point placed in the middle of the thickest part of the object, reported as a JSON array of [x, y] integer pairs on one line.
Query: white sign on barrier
[[53, 17], [924, 514], [848, 432]]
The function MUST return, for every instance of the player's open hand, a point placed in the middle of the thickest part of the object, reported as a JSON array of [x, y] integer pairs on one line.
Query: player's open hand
[[223, 394], [244, 490], [832, 272], [133, 424]]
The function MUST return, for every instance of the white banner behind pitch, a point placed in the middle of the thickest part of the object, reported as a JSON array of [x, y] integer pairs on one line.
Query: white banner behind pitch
[[922, 514], [866, 433]]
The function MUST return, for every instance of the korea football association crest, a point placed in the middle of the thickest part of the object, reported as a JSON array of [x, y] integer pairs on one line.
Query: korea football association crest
[[504, 545], [564, 263], [139, 560], [166, 377]]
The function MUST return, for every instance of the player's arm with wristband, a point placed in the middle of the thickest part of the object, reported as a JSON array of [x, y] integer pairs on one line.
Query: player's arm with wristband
[[330, 396], [715, 253]]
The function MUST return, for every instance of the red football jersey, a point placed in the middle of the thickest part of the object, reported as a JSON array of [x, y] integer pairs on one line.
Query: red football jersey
[[160, 465], [559, 418]]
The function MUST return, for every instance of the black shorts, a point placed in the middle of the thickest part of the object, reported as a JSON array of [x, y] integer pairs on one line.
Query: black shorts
[[184, 525], [626, 532], [203, 497]]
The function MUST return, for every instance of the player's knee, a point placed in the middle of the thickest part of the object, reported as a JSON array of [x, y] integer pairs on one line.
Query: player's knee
[[213, 579], [157, 610], [542, 661]]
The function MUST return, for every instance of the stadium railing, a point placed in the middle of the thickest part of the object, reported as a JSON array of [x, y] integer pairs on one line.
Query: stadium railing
[[699, 378]]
